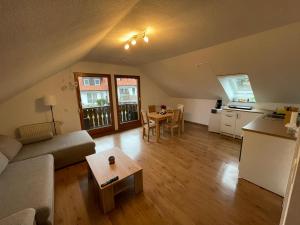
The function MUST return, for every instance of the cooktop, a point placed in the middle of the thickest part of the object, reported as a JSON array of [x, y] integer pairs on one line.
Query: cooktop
[[240, 107]]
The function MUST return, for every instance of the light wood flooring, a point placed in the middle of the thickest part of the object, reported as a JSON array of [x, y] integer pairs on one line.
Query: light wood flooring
[[192, 179]]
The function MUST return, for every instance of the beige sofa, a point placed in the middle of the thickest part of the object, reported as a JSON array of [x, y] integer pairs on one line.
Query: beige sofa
[[23, 217], [67, 149], [27, 174]]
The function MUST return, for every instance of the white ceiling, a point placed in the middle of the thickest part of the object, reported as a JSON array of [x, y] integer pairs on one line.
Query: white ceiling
[[183, 26], [40, 37], [270, 58]]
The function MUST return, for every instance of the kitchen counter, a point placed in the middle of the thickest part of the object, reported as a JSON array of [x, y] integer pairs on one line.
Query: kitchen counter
[[244, 110], [267, 154], [269, 126]]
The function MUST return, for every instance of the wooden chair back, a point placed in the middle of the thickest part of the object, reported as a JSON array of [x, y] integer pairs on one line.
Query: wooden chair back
[[144, 117], [151, 108], [181, 108], [176, 116]]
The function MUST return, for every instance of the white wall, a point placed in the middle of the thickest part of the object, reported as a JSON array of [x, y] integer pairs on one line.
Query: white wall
[[196, 110], [27, 108]]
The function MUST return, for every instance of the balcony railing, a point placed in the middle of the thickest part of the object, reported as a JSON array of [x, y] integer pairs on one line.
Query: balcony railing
[[97, 117], [128, 112]]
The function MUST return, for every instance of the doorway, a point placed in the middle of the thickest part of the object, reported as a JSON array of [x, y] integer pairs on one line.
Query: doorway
[[128, 101], [94, 95]]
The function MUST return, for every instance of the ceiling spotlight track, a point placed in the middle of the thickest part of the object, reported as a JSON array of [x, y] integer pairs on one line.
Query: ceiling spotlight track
[[135, 38]]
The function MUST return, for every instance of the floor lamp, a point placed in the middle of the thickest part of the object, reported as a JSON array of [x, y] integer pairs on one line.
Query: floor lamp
[[50, 100]]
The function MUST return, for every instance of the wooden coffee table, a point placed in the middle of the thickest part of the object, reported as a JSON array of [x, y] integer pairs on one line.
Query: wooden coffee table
[[100, 171]]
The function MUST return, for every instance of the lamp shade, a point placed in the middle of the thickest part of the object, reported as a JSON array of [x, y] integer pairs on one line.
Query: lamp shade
[[49, 100]]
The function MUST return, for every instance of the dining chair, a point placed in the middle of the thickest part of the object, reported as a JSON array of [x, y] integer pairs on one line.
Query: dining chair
[[181, 107], [174, 122], [151, 108], [147, 125]]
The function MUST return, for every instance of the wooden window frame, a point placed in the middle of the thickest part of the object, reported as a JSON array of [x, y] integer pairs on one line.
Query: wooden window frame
[[100, 131], [133, 124]]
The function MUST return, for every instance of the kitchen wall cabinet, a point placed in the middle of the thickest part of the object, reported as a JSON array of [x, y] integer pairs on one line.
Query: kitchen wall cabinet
[[232, 121]]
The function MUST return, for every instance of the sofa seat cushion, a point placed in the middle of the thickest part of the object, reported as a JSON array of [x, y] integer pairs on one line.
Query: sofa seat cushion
[[3, 162], [9, 146], [24, 217], [67, 149], [29, 184]]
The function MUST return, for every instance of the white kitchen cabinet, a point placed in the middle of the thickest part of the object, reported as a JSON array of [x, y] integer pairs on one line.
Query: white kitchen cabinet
[[266, 160], [228, 119], [242, 119], [232, 121]]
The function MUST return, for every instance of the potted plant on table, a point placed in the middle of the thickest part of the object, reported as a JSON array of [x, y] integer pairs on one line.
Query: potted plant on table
[[163, 109]]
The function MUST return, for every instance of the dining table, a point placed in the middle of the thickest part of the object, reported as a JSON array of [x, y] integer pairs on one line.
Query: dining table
[[158, 118]]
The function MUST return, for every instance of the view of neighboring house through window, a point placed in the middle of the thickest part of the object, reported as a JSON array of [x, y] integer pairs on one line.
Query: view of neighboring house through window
[[86, 82], [237, 87], [127, 94], [128, 100], [94, 92], [97, 81]]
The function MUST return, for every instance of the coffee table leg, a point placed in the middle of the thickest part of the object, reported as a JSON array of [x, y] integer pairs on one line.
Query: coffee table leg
[[107, 200], [138, 182]]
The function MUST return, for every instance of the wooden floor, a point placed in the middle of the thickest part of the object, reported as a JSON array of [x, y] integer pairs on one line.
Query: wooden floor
[[187, 180]]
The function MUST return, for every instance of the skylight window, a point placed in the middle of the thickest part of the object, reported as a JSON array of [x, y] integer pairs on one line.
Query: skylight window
[[237, 87]]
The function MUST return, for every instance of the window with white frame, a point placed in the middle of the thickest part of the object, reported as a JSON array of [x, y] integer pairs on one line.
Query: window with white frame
[[86, 81], [97, 82], [237, 87]]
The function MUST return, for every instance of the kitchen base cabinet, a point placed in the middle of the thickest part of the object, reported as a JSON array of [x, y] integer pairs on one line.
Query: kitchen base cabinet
[[228, 120], [232, 121], [266, 161], [242, 119]]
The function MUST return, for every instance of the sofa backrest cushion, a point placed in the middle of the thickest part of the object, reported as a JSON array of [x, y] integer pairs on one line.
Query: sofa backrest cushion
[[37, 138], [37, 132], [9, 146], [3, 162]]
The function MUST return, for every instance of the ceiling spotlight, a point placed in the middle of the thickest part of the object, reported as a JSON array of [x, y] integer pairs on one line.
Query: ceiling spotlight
[[133, 38], [146, 39], [126, 46], [133, 42]]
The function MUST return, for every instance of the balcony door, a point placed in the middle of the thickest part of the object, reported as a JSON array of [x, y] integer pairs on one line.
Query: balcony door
[[128, 101], [94, 94]]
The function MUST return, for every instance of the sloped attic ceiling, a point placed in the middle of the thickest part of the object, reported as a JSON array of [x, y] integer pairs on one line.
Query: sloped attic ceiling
[[178, 27], [41, 37], [270, 58]]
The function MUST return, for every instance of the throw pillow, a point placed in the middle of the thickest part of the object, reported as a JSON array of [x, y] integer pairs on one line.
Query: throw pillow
[[35, 139]]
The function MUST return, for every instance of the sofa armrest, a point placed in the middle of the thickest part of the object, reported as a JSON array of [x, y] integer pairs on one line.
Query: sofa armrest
[[24, 217]]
